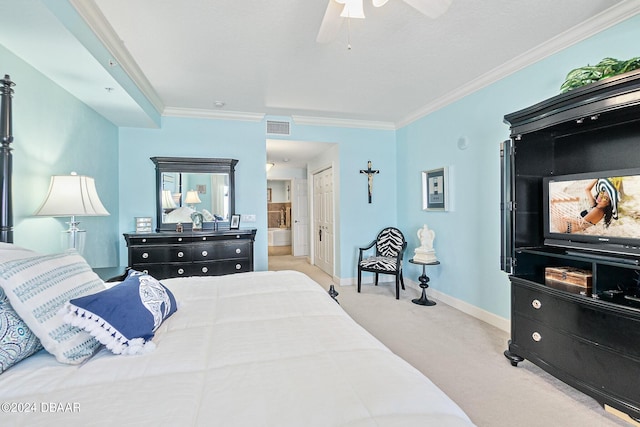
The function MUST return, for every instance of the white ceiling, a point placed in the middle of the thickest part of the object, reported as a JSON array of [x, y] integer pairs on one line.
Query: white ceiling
[[261, 57]]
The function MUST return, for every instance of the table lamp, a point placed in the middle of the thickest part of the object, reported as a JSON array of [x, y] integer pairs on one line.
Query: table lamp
[[72, 195]]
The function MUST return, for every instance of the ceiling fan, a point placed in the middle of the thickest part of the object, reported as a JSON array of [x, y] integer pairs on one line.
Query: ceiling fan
[[338, 10]]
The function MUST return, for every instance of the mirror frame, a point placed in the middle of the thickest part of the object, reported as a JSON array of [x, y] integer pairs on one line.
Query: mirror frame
[[197, 165]]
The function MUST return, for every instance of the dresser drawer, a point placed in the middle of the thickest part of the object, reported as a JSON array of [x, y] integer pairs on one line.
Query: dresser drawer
[[157, 239], [153, 254], [221, 250], [580, 316], [217, 268], [572, 355], [164, 270]]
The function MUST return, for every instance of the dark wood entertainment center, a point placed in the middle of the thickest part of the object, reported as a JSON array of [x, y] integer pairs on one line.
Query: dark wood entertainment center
[[590, 342]]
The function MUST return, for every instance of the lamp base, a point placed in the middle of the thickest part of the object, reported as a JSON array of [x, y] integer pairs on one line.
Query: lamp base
[[74, 238]]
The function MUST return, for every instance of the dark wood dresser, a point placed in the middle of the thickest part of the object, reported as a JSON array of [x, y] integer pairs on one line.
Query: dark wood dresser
[[204, 253]]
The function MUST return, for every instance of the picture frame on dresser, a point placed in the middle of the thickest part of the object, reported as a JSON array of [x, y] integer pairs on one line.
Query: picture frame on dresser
[[235, 222]]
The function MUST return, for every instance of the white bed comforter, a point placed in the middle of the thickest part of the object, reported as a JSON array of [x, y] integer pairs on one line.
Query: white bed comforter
[[251, 349]]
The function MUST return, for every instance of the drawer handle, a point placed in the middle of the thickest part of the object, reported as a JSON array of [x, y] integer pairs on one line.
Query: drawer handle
[[238, 250], [180, 254], [204, 238], [238, 266], [536, 336], [145, 271], [205, 253], [536, 304], [179, 239], [237, 236], [144, 240], [145, 255], [205, 269], [181, 271]]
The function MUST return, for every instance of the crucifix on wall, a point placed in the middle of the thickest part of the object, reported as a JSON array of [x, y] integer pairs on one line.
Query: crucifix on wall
[[370, 172]]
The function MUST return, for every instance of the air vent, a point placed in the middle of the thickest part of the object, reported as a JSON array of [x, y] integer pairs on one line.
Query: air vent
[[278, 128]]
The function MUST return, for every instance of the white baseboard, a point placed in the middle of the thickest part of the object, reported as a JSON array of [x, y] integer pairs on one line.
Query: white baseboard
[[463, 306]]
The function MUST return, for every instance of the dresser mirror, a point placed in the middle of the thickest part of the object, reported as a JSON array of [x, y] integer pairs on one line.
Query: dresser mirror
[[194, 189]]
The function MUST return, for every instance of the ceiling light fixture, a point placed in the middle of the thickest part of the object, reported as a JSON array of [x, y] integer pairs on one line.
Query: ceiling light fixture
[[270, 165], [219, 104], [352, 9], [337, 10]]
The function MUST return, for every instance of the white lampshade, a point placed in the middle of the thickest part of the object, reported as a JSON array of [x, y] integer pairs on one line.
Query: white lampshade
[[72, 195], [167, 200], [192, 197]]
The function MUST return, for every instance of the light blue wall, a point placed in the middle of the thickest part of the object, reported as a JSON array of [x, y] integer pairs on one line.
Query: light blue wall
[[468, 238], [55, 134], [246, 141]]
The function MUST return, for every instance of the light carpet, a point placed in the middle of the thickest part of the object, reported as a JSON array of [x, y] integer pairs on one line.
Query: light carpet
[[463, 356]]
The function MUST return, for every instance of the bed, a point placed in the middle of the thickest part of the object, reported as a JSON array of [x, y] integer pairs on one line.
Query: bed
[[248, 349]]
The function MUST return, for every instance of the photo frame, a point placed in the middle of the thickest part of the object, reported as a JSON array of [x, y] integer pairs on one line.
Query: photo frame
[[435, 189], [235, 222]]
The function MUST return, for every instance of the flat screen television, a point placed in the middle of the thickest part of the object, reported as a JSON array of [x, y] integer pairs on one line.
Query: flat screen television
[[596, 211]]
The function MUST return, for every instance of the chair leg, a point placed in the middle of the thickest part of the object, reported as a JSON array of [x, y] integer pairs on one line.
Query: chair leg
[[402, 280], [376, 279], [359, 279], [397, 286]]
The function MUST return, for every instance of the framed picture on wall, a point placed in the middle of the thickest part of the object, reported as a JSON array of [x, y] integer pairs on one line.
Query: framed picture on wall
[[435, 188], [235, 222]]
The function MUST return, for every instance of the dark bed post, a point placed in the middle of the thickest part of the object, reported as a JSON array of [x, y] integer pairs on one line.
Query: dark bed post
[[6, 208]]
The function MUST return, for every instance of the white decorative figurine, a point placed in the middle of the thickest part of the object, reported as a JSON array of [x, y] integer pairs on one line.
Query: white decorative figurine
[[425, 253]]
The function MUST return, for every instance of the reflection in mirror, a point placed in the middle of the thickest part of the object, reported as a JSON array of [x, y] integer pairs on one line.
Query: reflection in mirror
[[195, 192], [186, 193]]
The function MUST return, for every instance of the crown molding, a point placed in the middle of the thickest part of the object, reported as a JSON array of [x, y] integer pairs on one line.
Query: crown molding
[[212, 114], [348, 123], [96, 21], [608, 18]]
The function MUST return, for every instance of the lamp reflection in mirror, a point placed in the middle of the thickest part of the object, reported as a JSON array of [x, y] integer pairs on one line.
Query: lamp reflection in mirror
[[72, 195], [192, 198]]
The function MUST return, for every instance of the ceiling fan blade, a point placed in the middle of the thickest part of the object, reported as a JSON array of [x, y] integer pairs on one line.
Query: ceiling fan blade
[[379, 3], [431, 8], [331, 22]]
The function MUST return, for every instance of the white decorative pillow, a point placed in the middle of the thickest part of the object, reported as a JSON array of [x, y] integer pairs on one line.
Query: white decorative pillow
[[39, 286]]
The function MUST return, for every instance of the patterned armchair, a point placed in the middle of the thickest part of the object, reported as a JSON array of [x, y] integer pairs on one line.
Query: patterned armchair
[[390, 245]]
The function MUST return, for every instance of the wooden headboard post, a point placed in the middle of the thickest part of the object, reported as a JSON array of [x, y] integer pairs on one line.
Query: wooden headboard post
[[6, 207]]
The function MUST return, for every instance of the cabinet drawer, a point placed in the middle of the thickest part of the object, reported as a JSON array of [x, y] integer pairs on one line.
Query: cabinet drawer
[[164, 270], [573, 356], [221, 250], [153, 254], [158, 240], [599, 322], [217, 268]]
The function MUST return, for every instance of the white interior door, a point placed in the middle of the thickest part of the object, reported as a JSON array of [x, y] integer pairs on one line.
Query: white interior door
[[323, 220], [300, 216]]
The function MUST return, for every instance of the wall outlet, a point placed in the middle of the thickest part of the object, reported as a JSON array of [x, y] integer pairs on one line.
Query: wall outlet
[[249, 218]]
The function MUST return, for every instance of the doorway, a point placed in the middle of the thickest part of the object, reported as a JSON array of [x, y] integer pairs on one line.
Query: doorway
[[279, 216], [294, 162]]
